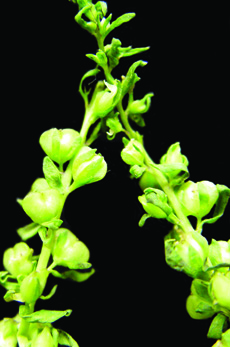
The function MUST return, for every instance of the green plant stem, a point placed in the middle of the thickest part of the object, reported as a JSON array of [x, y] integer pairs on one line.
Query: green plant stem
[[85, 126], [124, 118], [162, 181], [44, 257]]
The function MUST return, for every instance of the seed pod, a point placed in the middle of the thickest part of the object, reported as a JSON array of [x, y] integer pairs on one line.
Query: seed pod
[[187, 254], [8, 332], [44, 339], [103, 101], [219, 252], [198, 308], [220, 290], [133, 153], [88, 167], [68, 250], [18, 260], [32, 286], [43, 206], [60, 145], [148, 180], [197, 199]]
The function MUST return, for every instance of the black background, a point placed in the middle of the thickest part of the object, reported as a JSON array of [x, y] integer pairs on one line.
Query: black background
[[134, 297]]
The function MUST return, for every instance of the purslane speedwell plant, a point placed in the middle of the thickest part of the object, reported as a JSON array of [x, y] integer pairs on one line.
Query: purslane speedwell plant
[[70, 163]]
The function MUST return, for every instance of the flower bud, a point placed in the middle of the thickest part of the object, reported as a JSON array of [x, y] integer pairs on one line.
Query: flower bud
[[140, 106], [33, 285], [133, 153], [197, 199], [198, 308], [148, 180], [187, 253], [103, 101], [154, 202], [219, 253], [60, 145], [8, 333], [174, 155], [88, 167], [220, 290], [68, 250], [18, 260], [44, 339], [43, 206]]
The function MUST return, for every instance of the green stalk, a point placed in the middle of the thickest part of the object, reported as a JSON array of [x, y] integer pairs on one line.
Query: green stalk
[[162, 181]]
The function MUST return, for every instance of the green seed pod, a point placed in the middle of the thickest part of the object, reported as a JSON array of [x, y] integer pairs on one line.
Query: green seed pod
[[88, 167], [44, 339], [148, 180], [187, 254], [198, 308], [155, 203], [197, 199], [103, 101], [140, 106], [220, 290], [32, 286], [68, 250], [18, 260], [60, 145], [43, 206], [8, 333], [133, 153], [219, 252]]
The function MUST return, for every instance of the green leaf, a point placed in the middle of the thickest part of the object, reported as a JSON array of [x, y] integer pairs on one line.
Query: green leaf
[[137, 171], [138, 119], [85, 93], [74, 275], [43, 316], [65, 339], [9, 285], [219, 323], [114, 125], [175, 173], [143, 219], [120, 20], [224, 195], [129, 51], [52, 174], [12, 295], [89, 26], [53, 224], [28, 231], [200, 288], [104, 24], [53, 291], [131, 77]]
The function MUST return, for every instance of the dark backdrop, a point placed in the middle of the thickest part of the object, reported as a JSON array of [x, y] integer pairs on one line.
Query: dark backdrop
[[134, 297]]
